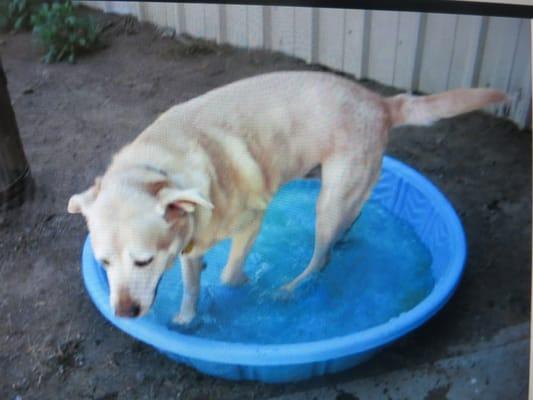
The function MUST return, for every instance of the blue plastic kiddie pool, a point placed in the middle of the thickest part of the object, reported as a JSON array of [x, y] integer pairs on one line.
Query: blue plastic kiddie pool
[[396, 267]]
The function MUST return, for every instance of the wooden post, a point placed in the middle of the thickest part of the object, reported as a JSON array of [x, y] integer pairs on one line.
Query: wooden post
[[15, 177]]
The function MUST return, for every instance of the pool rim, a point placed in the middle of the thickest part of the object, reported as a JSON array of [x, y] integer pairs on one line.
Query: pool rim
[[223, 352]]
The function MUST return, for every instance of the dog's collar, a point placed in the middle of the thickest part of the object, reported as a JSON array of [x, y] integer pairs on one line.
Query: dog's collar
[[187, 249]]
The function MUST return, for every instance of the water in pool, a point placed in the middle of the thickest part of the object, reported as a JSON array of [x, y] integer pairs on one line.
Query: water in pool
[[379, 270]]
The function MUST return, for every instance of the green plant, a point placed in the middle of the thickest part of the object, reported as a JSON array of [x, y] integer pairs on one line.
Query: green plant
[[63, 33], [16, 14], [4, 20]]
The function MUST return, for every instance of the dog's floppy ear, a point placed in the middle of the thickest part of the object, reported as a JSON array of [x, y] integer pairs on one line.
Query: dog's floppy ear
[[79, 203], [174, 203]]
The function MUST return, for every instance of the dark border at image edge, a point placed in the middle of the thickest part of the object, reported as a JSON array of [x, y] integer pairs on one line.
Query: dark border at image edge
[[432, 6]]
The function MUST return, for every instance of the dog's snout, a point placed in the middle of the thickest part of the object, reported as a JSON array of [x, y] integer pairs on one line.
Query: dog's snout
[[126, 307]]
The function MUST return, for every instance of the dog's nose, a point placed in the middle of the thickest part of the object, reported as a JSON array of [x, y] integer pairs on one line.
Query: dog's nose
[[127, 308]]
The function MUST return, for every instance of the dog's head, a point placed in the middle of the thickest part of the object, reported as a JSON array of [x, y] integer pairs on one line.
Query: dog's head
[[138, 225]]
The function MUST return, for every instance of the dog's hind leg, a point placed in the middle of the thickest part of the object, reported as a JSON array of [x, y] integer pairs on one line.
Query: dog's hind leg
[[345, 188], [242, 241]]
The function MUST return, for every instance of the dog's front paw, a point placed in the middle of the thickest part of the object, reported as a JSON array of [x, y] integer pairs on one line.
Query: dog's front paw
[[234, 280], [283, 295], [183, 318]]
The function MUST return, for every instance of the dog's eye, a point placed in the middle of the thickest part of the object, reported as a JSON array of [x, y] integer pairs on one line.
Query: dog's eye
[[143, 263], [105, 261]]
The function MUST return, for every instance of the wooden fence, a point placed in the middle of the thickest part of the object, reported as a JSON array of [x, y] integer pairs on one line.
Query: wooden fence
[[413, 51]]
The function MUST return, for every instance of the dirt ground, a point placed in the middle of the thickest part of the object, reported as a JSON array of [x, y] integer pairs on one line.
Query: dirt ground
[[72, 118]]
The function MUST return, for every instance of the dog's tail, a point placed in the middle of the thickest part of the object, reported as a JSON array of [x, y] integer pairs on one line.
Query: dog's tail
[[424, 110]]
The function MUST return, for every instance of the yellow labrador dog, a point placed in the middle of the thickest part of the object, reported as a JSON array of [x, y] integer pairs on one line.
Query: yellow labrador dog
[[206, 170]]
